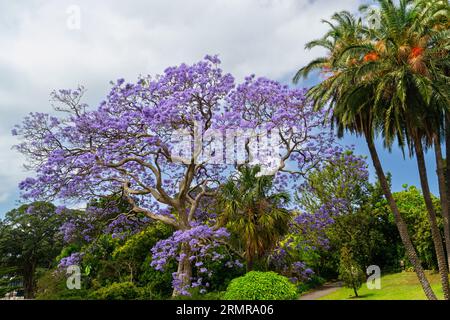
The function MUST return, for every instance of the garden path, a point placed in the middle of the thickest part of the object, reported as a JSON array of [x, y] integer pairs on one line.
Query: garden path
[[327, 288]]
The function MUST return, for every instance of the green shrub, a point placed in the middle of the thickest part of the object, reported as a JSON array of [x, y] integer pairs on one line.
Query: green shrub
[[51, 285], [221, 273], [125, 291], [149, 293], [160, 282], [314, 282], [117, 291], [257, 285], [196, 295]]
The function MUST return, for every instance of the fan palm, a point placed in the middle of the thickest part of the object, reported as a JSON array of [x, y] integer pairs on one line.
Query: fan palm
[[253, 213]]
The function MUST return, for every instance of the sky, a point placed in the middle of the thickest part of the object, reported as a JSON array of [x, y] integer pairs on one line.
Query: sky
[[57, 44]]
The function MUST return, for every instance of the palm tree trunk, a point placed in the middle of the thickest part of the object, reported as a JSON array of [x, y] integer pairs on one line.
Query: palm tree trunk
[[447, 184], [436, 235], [249, 264], [249, 257], [443, 195], [401, 225]]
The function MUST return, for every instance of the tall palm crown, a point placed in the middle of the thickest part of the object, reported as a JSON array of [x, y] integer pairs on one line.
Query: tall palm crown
[[389, 78], [253, 212]]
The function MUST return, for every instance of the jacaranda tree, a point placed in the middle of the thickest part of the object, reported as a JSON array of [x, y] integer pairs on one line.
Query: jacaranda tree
[[129, 146]]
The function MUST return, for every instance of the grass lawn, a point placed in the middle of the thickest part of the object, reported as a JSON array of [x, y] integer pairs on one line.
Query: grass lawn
[[397, 286]]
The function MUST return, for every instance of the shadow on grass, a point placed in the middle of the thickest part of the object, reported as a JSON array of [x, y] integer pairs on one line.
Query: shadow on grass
[[361, 296]]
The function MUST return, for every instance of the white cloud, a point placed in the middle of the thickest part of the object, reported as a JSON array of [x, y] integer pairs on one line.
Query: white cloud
[[127, 38], [117, 37], [4, 196], [11, 169]]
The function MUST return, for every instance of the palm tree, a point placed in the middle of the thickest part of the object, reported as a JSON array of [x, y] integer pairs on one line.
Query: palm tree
[[377, 84], [412, 79], [253, 213], [406, 78], [436, 16]]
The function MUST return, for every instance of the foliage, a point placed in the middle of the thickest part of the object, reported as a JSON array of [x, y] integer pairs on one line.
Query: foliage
[[107, 215], [223, 271], [96, 257], [334, 190], [339, 195], [257, 285], [196, 295], [135, 250], [108, 260], [383, 70], [52, 286], [314, 282], [135, 258], [29, 239], [412, 206], [158, 282], [255, 214], [390, 78], [117, 291], [350, 271], [127, 146], [9, 280]]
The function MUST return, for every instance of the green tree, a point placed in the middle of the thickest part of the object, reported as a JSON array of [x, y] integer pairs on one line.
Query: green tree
[[134, 259], [135, 251], [253, 213], [8, 280], [412, 207], [29, 238], [350, 271], [342, 188]]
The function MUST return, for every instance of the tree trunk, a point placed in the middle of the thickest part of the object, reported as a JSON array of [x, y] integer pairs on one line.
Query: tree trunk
[[249, 263], [184, 272], [401, 225], [436, 235], [443, 196], [355, 291], [28, 281], [447, 159], [130, 267]]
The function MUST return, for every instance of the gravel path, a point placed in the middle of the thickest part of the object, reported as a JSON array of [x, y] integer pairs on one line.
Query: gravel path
[[327, 288]]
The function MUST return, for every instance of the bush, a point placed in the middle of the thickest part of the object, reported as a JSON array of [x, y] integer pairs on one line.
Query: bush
[[196, 295], [312, 283], [159, 282], [51, 285], [117, 291], [257, 285], [222, 274], [148, 293], [125, 291]]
